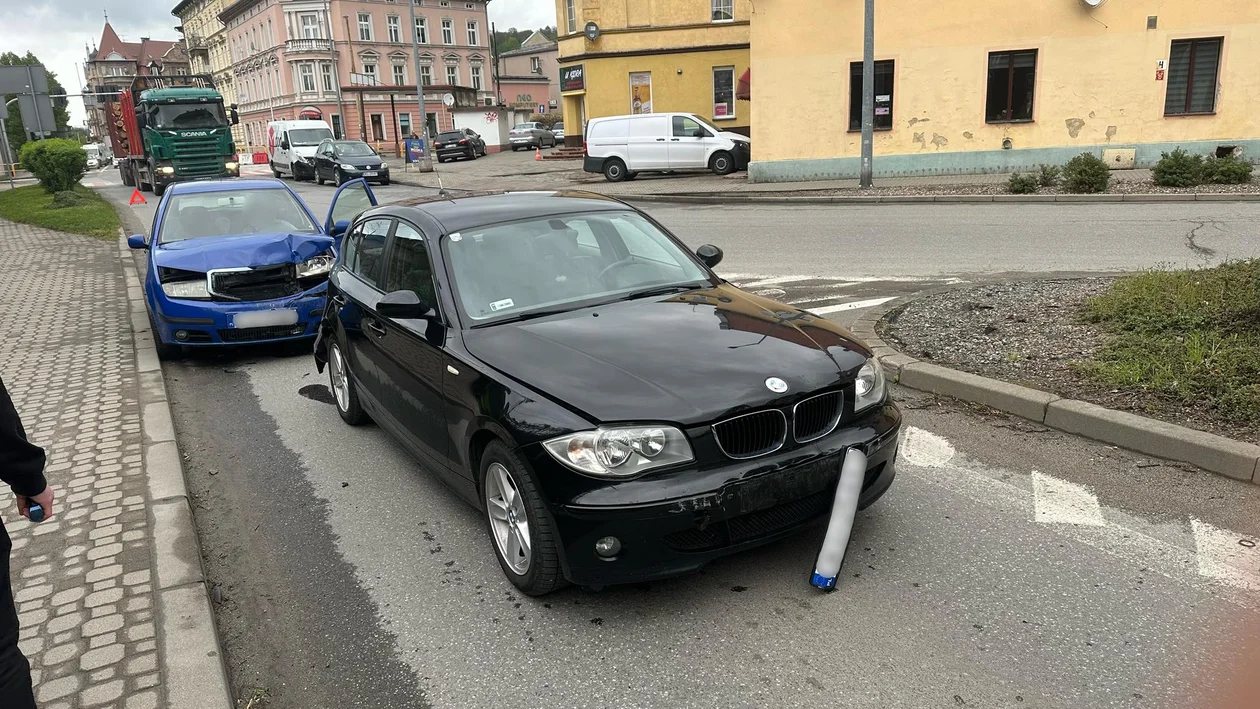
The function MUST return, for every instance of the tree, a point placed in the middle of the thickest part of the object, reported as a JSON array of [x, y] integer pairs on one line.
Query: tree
[[548, 120], [17, 135]]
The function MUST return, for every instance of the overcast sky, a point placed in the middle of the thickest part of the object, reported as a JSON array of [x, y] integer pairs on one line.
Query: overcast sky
[[56, 32]]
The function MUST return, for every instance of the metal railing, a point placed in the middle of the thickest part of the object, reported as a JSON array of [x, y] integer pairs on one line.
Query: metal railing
[[308, 45]]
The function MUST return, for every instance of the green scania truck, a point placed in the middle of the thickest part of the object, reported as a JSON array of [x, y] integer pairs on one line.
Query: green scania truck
[[167, 129]]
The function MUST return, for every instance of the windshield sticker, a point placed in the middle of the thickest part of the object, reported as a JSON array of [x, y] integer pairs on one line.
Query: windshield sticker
[[457, 237], [501, 304]]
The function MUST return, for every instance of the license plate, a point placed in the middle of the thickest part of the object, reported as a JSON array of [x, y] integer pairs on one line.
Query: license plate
[[369, 174], [264, 318], [787, 485]]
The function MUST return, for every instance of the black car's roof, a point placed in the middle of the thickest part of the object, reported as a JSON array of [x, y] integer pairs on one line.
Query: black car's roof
[[468, 211]]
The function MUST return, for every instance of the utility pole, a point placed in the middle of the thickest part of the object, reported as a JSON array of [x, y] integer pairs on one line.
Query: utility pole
[[868, 96], [426, 161], [332, 40]]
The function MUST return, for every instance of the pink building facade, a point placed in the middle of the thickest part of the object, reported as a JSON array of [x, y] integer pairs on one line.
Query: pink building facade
[[351, 63], [530, 76]]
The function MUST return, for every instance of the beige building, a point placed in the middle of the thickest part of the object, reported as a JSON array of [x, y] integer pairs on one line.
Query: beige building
[[207, 46], [530, 76]]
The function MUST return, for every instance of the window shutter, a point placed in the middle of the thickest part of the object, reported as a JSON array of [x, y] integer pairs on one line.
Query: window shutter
[[1178, 78], [1207, 54]]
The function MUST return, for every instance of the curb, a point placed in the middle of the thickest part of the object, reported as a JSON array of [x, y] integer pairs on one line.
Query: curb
[[191, 661], [1220, 455], [727, 198]]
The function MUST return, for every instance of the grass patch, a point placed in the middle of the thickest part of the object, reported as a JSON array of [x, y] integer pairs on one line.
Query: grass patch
[[90, 214], [1192, 337]]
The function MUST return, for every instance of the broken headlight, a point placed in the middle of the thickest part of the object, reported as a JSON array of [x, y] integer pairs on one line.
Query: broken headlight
[[316, 265]]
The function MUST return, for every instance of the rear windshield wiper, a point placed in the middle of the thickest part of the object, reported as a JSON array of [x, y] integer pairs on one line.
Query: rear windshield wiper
[[665, 290]]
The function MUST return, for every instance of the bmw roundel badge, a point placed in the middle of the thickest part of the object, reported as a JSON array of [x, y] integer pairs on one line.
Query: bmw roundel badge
[[776, 385]]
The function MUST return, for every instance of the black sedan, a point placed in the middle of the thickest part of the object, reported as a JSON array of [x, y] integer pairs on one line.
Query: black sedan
[[617, 411], [339, 161], [462, 143]]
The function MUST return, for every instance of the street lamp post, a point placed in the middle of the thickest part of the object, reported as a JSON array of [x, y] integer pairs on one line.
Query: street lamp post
[[868, 96], [426, 161]]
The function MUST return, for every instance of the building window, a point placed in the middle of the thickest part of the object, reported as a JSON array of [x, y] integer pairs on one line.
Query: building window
[[404, 124], [338, 133], [445, 3], [308, 77], [448, 32], [883, 95], [426, 75], [378, 127], [472, 33], [365, 27], [723, 10], [310, 26], [452, 75], [476, 77], [422, 30], [392, 27], [724, 92], [400, 75], [535, 65], [570, 14], [370, 70], [1192, 72], [1012, 77], [326, 71]]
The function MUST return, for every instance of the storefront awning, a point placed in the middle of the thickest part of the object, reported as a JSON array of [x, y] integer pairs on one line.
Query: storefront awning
[[743, 91]]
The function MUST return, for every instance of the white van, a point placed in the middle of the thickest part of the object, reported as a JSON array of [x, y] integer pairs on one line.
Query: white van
[[623, 146], [291, 147]]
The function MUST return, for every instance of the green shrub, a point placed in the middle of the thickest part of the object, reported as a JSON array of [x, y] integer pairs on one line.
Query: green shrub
[[1178, 169], [1050, 175], [1226, 171], [57, 163], [1086, 173], [1022, 184]]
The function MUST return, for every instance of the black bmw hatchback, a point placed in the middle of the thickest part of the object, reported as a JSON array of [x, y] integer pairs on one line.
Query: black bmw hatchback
[[617, 411]]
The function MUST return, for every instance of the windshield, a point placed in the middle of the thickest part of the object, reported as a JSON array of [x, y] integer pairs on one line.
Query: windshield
[[176, 116], [353, 150], [450, 136], [233, 213], [707, 124], [91, 150], [308, 136], [523, 126], [563, 262]]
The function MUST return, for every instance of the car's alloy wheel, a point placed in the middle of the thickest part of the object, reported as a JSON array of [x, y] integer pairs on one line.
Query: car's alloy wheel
[[339, 177], [723, 163], [614, 170], [525, 540], [344, 394], [509, 524]]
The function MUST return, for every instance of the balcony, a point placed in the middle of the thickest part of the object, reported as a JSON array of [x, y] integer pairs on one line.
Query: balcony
[[322, 47], [196, 45]]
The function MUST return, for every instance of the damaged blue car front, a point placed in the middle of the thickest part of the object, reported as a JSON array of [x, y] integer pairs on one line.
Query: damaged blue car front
[[237, 262]]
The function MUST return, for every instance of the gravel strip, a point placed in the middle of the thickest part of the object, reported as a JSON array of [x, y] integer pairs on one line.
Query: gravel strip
[[1118, 186], [1030, 333]]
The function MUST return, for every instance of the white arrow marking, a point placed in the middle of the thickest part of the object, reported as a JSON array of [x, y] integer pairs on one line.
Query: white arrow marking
[[1226, 556], [853, 305], [770, 292], [1061, 502], [924, 448]]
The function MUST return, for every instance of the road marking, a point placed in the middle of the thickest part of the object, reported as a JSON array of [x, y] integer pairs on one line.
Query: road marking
[[771, 293], [1227, 556], [1061, 502], [779, 280], [1192, 552], [853, 305]]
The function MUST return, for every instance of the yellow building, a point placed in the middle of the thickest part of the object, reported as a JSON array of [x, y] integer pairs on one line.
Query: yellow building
[[652, 56], [207, 47], [965, 86]]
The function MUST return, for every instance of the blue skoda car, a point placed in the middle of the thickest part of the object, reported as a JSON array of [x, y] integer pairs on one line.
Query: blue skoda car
[[236, 262]]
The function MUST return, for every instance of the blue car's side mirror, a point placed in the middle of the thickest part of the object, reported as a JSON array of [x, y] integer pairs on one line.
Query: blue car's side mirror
[[136, 241], [339, 228]]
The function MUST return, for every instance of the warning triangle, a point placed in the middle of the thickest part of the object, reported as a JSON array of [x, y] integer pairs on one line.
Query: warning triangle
[[137, 198]]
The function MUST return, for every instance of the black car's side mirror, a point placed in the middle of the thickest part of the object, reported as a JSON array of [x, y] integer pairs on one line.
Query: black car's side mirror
[[710, 255], [403, 305]]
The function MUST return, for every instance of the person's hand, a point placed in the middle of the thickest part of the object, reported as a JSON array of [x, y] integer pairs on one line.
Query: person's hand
[[43, 499]]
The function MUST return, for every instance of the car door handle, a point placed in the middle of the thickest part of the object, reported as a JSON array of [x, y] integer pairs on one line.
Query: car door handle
[[375, 327], [673, 140]]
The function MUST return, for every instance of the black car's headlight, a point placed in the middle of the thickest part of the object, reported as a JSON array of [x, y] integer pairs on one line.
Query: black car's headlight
[[869, 386], [316, 265], [621, 451]]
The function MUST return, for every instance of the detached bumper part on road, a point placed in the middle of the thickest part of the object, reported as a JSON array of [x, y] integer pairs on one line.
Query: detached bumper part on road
[[699, 516]]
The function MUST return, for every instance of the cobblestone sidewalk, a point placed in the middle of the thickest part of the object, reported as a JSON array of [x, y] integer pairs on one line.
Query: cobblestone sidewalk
[[85, 581]]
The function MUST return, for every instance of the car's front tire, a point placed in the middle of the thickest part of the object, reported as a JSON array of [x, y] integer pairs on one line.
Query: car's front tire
[[521, 530], [722, 163], [345, 396], [165, 350], [319, 178]]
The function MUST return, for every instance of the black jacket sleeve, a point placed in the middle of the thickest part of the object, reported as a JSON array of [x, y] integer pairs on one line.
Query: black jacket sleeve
[[21, 463]]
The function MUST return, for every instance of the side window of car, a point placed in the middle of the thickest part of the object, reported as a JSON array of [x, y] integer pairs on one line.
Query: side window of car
[[685, 127], [350, 252], [409, 266], [363, 256]]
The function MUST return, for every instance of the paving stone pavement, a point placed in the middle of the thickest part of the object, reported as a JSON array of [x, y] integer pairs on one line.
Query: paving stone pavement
[[82, 580]]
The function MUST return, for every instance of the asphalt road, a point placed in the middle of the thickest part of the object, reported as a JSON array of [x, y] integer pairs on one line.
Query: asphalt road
[[1008, 566]]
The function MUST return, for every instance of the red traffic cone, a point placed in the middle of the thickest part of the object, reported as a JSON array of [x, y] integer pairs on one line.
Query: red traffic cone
[[538, 154], [137, 198]]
